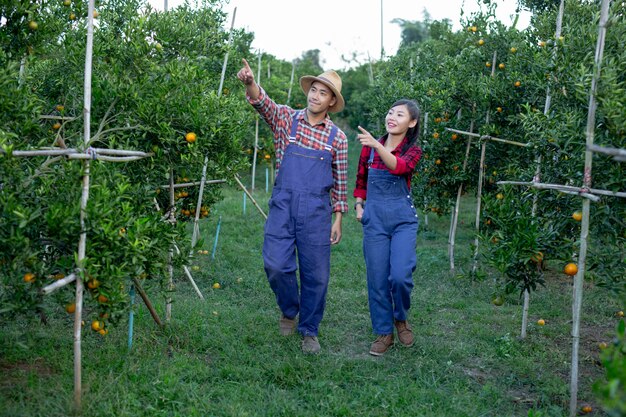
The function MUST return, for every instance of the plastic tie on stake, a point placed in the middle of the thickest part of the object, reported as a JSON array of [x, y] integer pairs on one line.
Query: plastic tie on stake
[[92, 153]]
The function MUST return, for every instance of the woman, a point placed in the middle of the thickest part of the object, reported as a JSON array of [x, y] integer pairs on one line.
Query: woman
[[389, 221]]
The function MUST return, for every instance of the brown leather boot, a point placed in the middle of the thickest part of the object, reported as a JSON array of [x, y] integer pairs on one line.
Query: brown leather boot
[[286, 326], [405, 334], [382, 343]]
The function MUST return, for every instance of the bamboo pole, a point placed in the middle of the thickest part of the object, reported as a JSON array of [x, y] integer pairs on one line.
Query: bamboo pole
[[58, 284], [189, 276], [459, 193], [194, 235], [147, 302], [82, 243], [170, 256], [293, 71], [256, 129], [617, 154], [230, 41], [481, 174], [584, 229], [488, 137], [590, 193], [89, 153], [193, 184], [250, 195]]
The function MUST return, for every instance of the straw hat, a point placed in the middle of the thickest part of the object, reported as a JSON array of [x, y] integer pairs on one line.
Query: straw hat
[[330, 79]]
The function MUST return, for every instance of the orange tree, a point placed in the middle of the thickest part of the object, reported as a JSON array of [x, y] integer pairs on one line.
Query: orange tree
[[155, 80]]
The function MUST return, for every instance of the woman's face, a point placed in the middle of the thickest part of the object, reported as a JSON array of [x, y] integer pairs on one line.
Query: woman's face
[[398, 120]]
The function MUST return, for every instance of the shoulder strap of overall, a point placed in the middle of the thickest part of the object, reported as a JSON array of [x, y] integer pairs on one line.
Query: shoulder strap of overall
[[294, 126], [331, 137], [371, 160]]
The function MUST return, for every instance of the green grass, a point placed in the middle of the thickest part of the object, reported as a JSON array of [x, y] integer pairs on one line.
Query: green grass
[[223, 356]]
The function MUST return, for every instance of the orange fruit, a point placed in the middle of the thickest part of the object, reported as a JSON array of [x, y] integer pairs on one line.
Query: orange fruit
[[93, 283], [500, 196], [586, 409], [577, 215], [95, 14], [517, 83], [537, 257], [498, 301], [268, 156], [571, 269], [438, 162], [72, 16], [67, 2], [501, 65], [102, 299], [541, 322], [70, 308], [602, 345], [499, 109], [488, 64], [60, 107], [436, 135], [96, 325], [437, 119], [455, 136], [56, 126], [481, 42], [103, 332], [620, 313], [217, 285], [542, 44], [513, 50], [32, 25], [190, 137], [29, 277]]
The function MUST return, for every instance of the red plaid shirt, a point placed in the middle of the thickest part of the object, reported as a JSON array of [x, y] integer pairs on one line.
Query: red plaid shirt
[[279, 118], [404, 168]]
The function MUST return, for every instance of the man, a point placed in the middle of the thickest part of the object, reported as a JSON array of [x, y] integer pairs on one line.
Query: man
[[311, 175]]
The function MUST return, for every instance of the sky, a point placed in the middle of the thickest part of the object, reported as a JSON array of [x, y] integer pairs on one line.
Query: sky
[[287, 28]]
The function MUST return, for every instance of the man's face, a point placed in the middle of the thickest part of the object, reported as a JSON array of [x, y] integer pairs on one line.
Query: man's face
[[320, 98]]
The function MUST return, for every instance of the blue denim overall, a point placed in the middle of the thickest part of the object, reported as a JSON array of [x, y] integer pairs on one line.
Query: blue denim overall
[[389, 242], [300, 216]]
